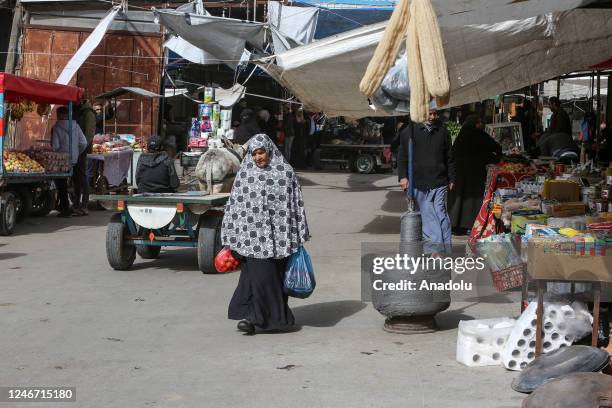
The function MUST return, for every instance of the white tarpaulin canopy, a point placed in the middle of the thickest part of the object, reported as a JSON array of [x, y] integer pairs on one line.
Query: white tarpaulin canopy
[[491, 47]]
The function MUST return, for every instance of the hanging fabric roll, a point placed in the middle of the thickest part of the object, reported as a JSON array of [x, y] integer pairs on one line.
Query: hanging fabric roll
[[418, 20], [419, 94], [387, 49], [430, 49]]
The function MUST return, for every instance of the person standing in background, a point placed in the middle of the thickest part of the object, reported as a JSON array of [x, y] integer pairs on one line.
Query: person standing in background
[[472, 151], [101, 116], [300, 138], [248, 127], [267, 123], [434, 175], [77, 149], [237, 110], [289, 124], [560, 121], [87, 123]]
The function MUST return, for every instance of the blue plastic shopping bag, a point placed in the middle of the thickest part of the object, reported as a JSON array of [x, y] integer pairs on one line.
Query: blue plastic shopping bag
[[299, 278]]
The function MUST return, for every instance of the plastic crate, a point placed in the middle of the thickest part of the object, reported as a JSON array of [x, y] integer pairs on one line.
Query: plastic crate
[[508, 278]]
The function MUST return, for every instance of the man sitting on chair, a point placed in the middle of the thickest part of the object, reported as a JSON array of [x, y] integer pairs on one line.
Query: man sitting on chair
[[155, 172]]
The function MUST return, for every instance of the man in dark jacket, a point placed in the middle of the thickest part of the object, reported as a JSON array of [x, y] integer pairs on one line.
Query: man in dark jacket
[[434, 173], [155, 172], [87, 122], [560, 121]]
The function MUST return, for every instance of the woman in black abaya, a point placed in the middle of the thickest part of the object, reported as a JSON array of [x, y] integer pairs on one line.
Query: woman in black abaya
[[472, 150], [264, 223], [248, 127]]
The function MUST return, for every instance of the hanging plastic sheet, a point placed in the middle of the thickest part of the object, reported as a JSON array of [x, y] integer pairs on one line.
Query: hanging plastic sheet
[[292, 26], [225, 38], [85, 50], [393, 96]]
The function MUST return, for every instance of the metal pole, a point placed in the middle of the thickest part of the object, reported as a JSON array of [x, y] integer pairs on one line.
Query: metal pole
[[14, 39], [609, 101], [254, 10], [598, 119], [558, 87], [141, 120], [247, 11], [115, 115], [70, 135], [2, 125]]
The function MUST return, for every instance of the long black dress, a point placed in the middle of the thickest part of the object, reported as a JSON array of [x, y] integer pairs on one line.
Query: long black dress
[[259, 296], [472, 150]]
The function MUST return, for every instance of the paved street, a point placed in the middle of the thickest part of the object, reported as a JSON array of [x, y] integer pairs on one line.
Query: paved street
[[158, 335]]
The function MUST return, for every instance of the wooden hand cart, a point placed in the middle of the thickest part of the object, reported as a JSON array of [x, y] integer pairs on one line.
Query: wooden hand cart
[[144, 223]]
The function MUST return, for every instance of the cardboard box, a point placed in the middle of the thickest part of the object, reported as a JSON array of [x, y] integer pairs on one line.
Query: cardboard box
[[564, 209], [561, 190], [543, 264]]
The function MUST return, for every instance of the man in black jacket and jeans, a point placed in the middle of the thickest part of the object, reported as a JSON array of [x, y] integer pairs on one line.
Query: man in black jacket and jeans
[[155, 172], [434, 173]]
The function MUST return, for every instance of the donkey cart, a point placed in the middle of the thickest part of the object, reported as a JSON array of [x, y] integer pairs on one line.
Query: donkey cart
[[144, 223]]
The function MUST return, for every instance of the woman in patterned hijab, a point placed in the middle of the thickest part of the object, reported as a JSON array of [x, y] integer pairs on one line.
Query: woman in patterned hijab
[[264, 223]]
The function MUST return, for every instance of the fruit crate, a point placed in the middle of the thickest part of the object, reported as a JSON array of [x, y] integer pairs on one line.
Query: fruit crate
[[53, 162]]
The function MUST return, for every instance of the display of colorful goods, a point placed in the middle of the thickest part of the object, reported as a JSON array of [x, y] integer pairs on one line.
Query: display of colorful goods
[[20, 162], [53, 162], [108, 143]]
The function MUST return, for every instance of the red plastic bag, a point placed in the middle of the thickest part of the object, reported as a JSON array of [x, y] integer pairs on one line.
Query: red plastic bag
[[225, 261]]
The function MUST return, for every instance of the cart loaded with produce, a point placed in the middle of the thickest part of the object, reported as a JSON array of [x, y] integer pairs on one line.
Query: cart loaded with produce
[[28, 163]]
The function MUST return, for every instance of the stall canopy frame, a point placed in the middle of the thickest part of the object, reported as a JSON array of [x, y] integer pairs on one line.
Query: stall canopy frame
[[17, 88], [14, 88], [122, 90]]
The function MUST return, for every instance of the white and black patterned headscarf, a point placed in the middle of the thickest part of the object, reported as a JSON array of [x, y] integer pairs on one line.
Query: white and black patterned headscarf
[[265, 217]]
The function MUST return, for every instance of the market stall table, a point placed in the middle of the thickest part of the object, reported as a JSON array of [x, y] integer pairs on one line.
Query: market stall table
[[111, 171], [548, 264]]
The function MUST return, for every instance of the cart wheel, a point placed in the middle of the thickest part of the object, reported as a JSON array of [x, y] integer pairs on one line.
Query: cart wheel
[[209, 242], [23, 203], [365, 163], [120, 254], [148, 252], [42, 203], [8, 213], [316, 159]]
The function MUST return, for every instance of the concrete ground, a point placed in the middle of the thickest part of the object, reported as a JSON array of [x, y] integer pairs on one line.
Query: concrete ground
[[158, 336]]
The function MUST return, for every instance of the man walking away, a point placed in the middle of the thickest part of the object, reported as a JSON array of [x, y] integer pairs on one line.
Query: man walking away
[[60, 137], [434, 173]]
